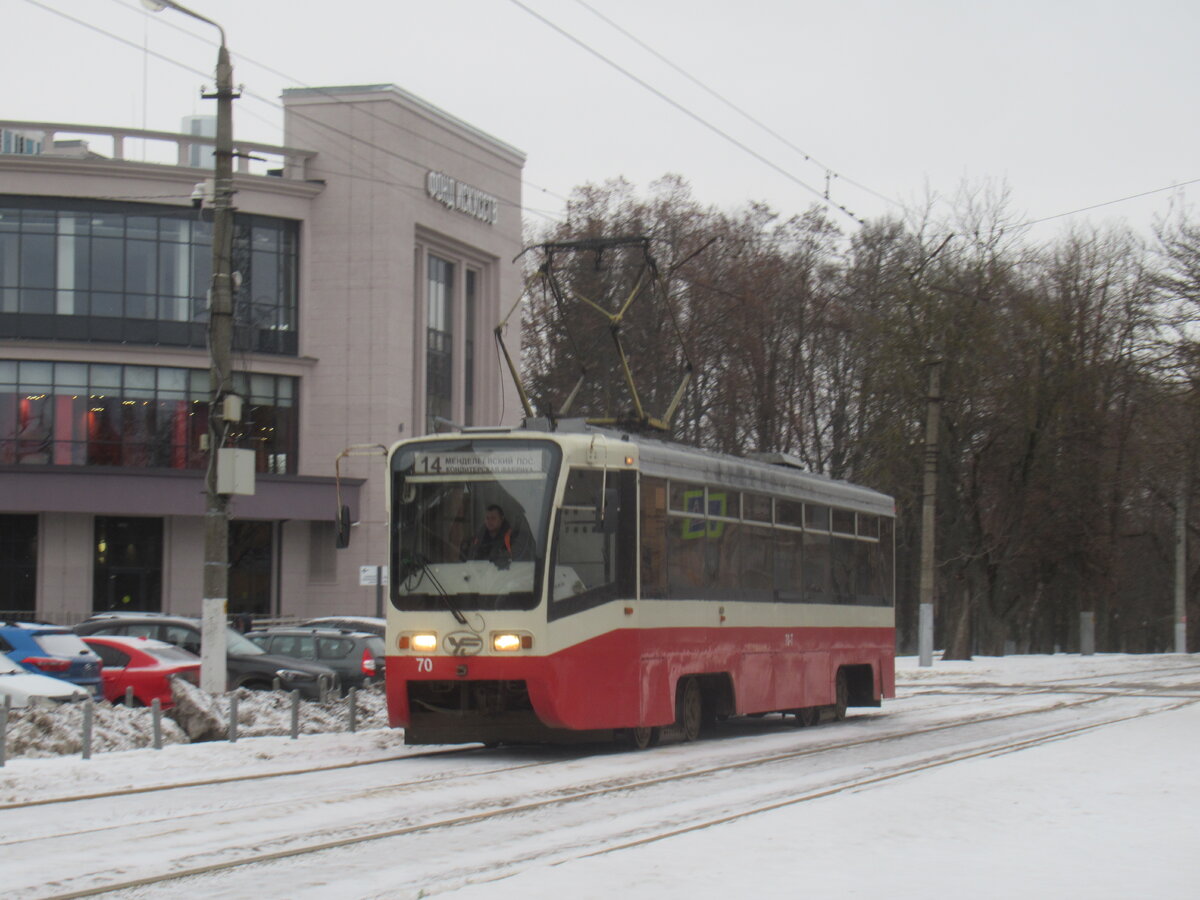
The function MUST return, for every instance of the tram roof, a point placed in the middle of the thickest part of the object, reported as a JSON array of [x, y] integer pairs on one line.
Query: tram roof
[[772, 474], [670, 460]]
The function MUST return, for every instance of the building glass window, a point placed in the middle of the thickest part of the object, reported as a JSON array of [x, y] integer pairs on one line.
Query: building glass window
[[90, 414], [127, 574], [439, 343], [470, 309], [250, 568], [18, 564], [90, 270]]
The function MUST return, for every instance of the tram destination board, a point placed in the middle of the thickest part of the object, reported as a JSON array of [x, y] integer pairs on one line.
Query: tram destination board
[[479, 462]]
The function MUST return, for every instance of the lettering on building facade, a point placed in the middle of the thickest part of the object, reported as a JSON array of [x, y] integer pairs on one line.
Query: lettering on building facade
[[457, 195]]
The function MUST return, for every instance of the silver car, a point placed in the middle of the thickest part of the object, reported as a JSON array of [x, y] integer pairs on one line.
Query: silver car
[[22, 688]]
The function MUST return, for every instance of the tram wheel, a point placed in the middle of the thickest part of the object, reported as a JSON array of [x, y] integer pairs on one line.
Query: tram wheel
[[808, 717], [842, 688], [689, 712], [643, 738]]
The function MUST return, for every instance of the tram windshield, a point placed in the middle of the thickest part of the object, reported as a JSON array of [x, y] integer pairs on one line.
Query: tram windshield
[[470, 523]]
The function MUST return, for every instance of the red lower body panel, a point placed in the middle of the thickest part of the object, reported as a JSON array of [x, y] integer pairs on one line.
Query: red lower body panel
[[628, 678]]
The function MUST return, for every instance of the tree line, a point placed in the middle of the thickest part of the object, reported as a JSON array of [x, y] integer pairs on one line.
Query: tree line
[[1068, 376]]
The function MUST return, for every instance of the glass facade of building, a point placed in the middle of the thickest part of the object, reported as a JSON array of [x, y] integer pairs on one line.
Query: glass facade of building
[[91, 414], [439, 344], [91, 270]]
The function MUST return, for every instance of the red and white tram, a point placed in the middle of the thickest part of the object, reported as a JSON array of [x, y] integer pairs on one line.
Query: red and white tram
[[635, 588]]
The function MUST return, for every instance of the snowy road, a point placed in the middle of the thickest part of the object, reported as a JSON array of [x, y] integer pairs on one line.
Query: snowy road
[[413, 823]]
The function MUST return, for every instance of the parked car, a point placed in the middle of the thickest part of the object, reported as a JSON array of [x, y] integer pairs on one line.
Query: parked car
[[357, 656], [247, 664], [51, 650], [143, 664], [24, 688], [369, 624]]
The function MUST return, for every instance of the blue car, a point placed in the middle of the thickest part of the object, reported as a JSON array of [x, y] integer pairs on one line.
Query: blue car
[[52, 650]]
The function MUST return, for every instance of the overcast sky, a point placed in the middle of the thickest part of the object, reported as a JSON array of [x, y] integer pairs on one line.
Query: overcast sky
[[1067, 102]]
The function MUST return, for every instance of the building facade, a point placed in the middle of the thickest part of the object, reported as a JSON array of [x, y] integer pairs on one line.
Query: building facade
[[373, 256]]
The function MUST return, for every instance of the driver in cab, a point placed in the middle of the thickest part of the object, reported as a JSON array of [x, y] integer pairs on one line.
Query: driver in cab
[[495, 540]]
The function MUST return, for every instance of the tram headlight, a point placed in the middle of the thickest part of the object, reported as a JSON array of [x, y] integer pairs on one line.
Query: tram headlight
[[423, 643], [511, 641]]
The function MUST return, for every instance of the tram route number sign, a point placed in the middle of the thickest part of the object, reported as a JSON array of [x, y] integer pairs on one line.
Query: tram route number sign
[[504, 462]]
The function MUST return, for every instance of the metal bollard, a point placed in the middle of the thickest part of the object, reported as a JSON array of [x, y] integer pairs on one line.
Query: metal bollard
[[353, 698], [156, 722], [295, 715], [129, 696], [4, 726], [88, 711], [277, 685], [233, 716]]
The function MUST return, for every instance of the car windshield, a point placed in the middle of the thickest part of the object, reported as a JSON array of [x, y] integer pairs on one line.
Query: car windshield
[[470, 523], [235, 642]]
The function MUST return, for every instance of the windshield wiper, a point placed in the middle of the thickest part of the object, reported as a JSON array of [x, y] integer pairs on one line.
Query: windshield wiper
[[418, 563]]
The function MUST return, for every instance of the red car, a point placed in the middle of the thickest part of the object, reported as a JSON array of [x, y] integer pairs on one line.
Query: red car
[[143, 664]]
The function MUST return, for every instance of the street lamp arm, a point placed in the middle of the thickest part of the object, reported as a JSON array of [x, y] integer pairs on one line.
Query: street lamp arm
[[160, 5]]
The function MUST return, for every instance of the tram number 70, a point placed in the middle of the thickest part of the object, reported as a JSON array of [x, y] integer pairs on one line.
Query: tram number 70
[[424, 664]]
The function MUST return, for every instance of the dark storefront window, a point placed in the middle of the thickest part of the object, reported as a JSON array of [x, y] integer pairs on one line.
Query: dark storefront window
[[84, 270], [18, 564], [89, 414], [250, 568], [127, 574]]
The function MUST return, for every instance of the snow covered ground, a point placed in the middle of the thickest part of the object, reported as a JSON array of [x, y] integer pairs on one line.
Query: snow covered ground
[[1112, 812]]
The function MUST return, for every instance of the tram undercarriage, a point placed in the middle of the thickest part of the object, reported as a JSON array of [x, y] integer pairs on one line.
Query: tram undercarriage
[[488, 712]]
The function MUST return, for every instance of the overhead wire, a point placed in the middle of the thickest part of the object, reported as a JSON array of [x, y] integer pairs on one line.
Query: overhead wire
[[689, 113], [1073, 212], [808, 157], [418, 188]]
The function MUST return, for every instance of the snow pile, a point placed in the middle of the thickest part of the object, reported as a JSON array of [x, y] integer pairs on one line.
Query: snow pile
[[57, 731], [196, 716], [261, 713]]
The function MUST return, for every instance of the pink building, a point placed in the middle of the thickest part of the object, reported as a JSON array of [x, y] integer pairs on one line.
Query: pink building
[[375, 255]]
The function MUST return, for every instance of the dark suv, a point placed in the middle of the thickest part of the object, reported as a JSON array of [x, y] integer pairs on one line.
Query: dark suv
[[356, 656], [247, 664]]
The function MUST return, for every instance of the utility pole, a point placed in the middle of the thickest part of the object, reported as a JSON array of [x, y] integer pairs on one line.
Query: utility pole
[[215, 602], [1181, 566], [929, 512]]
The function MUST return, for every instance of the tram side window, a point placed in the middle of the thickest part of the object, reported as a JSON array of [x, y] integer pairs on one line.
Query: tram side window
[[817, 574], [688, 569], [654, 538], [789, 571], [843, 561], [722, 551], [757, 550], [816, 518], [586, 553], [867, 587], [882, 561]]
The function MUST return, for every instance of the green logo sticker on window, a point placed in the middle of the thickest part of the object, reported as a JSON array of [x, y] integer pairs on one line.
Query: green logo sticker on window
[[693, 502]]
